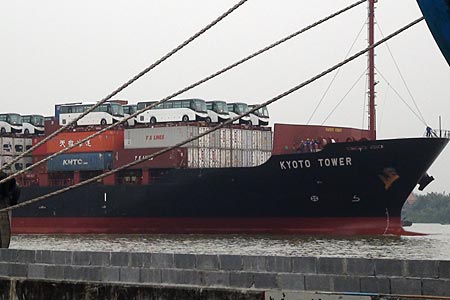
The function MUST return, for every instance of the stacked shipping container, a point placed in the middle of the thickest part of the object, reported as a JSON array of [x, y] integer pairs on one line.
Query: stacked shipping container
[[227, 147], [12, 147]]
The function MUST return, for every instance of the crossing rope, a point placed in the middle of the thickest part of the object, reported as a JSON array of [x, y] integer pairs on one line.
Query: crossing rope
[[257, 107], [125, 85], [263, 50]]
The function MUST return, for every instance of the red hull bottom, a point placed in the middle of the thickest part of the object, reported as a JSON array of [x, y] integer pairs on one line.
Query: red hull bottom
[[325, 226]]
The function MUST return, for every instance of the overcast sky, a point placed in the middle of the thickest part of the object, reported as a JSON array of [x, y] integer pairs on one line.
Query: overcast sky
[[61, 51]]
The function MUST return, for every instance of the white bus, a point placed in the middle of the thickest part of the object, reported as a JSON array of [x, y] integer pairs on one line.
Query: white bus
[[236, 109], [128, 110], [106, 113], [10, 123], [217, 111], [259, 117], [184, 110], [32, 124]]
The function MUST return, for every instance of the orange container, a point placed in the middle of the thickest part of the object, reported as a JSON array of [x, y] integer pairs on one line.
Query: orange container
[[111, 140]]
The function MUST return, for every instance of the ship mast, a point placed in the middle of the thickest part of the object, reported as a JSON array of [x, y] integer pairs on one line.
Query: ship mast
[[371, 66]]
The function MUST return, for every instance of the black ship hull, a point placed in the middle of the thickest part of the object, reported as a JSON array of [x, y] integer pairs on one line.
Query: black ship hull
[[347, 188]]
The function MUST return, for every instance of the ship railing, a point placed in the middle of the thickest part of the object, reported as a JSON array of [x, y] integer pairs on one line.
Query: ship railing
[[439, 133]]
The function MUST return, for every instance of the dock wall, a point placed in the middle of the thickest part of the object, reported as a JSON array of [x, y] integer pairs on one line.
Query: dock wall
[[382, 276]]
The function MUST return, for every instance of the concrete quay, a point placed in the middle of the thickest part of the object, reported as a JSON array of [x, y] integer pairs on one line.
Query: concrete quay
[[220, 276]]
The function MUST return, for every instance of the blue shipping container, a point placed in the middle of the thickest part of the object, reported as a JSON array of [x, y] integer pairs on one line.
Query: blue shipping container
[[81, 162]]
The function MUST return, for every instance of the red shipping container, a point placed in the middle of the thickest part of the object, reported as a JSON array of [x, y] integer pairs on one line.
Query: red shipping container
[[287, 138], [111, 140], [176, 158], [51, 124], [42, 168], [41, 150]]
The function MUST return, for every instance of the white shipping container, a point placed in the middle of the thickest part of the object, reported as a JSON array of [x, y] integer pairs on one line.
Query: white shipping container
[[192, 158], [237, 158], [254, 142], [255, 158], [225, 138], [28, 143], [236, 139], [5, 160], [214, 158], [19, 146], [159, 137], [226, 158], [20, 164], [266, 142], [247, 140], [203, 142], [214, 139], [203, 158], [7, 146]]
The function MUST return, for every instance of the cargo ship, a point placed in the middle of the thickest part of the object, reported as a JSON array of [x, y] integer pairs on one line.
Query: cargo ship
[[296, 179], [237, 181]]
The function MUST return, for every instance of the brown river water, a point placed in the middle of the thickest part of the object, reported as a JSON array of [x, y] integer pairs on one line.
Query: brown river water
[[434, 245]]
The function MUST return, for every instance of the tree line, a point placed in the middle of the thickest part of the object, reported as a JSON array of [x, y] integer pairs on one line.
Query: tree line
[[429, 208]]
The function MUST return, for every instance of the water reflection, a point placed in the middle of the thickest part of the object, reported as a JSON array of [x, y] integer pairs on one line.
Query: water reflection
[[433, 246]]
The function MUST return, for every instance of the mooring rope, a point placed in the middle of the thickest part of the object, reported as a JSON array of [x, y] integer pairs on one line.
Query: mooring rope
[[259, 52], [125, 85], [257, 107]]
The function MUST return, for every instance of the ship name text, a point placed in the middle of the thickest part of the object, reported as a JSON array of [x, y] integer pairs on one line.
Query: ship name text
[[320, 162]]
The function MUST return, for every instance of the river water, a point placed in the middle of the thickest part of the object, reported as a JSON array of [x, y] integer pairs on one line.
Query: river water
[[435, 245]]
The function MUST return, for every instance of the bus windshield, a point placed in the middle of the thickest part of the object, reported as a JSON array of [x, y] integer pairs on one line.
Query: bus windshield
[[37, 120], [241, 108], [15, 119], [198, 105], [221, 107], [129, 109], [116, 109], [263, 112]]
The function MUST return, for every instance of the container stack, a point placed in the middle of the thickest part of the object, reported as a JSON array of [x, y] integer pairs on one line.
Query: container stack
[[224, 148], [12, 147], [86, 160], [237, 146]]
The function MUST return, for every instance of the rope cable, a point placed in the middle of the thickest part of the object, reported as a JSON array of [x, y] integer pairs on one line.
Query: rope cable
[[187, 88], [335, 74], [401, 98], [380, 121], [401, 76], [255, 108], [345, 96], [125, 85]]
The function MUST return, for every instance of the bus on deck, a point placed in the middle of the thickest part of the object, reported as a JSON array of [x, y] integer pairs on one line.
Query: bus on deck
[[259, 117], [105, 114], [236, 109], [32, 124], [128, 110], [217, 111], [10, 123], [184, 110]]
